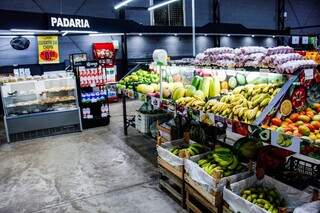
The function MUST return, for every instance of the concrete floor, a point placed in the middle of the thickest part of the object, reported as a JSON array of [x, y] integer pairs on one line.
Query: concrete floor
[[97, 170]]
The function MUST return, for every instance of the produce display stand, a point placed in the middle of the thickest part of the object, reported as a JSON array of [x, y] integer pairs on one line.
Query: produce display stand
[[198, 199]]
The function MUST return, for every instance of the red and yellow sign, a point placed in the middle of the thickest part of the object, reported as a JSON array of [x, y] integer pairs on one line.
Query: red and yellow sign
[[48, 49]]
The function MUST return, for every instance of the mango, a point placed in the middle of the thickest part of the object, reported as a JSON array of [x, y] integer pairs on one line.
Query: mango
[[304, 118], [304, 130], [312, 137], [316, 118], [298, 123]]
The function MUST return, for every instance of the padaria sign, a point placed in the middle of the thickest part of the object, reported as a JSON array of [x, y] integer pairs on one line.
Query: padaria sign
[[59, 22]]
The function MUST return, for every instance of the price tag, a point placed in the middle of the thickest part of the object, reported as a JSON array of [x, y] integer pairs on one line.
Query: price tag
[[308, 74], [155, 102], [171, 107], [285, 141], [295, 40], [305, 39], [207, 118]]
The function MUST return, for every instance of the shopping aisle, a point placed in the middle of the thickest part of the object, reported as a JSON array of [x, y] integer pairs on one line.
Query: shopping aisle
[[97, 170]]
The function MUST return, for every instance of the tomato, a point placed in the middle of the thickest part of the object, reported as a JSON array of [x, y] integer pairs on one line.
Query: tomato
[[294, 117], [276, 121]]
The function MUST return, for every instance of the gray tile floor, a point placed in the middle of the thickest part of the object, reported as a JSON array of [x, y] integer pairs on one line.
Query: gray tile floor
[[97, 170]]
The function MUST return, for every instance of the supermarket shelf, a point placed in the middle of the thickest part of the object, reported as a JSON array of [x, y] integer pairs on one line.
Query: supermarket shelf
[[41, 103], [40, 113]]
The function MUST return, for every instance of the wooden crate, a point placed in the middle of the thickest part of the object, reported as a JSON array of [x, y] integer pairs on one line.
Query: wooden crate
[[199, 200], [172, 180], [165, 134], [226, 208]]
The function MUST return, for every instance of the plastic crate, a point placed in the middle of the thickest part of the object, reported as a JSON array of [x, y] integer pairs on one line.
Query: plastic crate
[[143, 121], [299, 173]]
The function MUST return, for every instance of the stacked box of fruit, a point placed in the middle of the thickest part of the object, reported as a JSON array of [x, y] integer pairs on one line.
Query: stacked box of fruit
[[263, 196], [213, 169], [175, 151]]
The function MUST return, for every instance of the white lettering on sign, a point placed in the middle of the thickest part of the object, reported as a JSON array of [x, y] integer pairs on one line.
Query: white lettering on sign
[[69, 22]]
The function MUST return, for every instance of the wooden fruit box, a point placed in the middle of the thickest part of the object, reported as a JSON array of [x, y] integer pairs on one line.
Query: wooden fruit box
[[292, 196], [178, 171], [213, 198], [165, 134], [226, 209], [213, 182], [171, 180]]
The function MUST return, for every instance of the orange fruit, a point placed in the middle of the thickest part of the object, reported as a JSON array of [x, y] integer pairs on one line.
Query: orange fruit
[[286, 107]]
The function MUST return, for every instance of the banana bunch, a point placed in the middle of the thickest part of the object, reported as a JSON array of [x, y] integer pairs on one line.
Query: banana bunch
[[192, 102], [244, 103], [191, 150], [221, 161]]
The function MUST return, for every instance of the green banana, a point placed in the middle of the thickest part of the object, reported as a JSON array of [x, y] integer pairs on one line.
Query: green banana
[[234, 163], [222, 150]]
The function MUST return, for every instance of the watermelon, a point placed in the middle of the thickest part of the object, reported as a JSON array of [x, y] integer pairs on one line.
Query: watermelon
[[196, 81]]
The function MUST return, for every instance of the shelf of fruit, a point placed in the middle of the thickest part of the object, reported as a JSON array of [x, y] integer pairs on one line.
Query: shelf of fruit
[[220, 95]]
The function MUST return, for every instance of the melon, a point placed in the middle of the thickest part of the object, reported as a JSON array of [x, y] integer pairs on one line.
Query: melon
[[156, 87], [166, 92], [144, 88], [178, 93], [199, 94], [241, 79], [232, 82], [190, 90]]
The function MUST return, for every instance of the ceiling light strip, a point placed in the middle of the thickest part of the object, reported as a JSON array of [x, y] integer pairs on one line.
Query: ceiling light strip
[[121, 4], [161, 4], [36, 31]]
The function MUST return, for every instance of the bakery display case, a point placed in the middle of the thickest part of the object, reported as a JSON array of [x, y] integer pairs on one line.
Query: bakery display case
[[40, 106]]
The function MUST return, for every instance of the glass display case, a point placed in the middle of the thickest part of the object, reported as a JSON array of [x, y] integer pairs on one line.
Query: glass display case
[[40, 103]]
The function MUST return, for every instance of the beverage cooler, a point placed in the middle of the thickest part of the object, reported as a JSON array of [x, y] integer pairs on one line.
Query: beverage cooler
[[92, 79]]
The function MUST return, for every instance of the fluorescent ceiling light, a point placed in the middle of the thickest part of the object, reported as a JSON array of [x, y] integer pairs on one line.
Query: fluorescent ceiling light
[[17, 33], [64, 33], [106, 34], [161, 4], [121, 4], [32, 30]]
